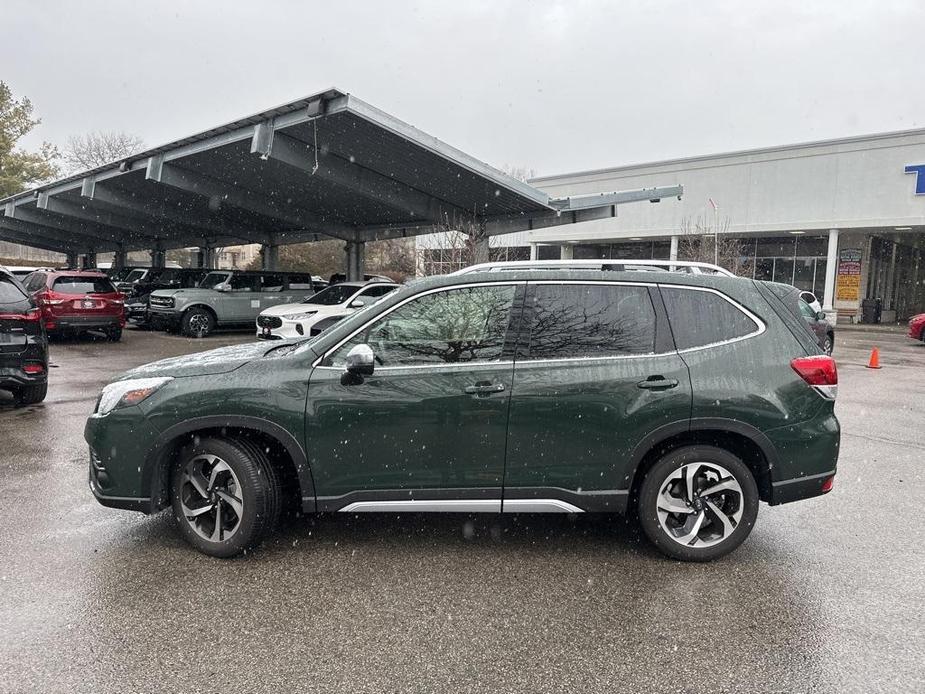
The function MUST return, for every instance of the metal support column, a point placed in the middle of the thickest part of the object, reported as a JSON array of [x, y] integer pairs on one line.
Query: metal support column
[[269, 257], [72, 259], [205, 257], [673, 253], [566, 252], [534, 251], [831, 266], [118, 260], [356, 260], [89, 261], [158, 257]]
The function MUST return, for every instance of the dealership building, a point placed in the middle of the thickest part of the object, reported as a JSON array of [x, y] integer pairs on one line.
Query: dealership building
[[843, 218]]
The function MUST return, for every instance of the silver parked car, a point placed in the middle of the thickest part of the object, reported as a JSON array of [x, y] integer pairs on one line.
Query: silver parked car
[[228, 298]]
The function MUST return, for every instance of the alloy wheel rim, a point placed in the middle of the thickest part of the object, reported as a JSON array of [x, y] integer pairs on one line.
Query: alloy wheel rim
[[199, 323], [211, 498], [700, 504]]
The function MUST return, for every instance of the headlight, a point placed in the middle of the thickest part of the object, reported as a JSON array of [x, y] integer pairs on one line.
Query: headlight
[[300, 316], [127, 393]]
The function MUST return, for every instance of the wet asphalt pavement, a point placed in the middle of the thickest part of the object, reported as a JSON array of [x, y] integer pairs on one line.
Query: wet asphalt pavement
[[827, 595]]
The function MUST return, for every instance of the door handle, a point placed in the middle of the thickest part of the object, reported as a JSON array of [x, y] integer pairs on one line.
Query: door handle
[[484, 388], [657, 383]]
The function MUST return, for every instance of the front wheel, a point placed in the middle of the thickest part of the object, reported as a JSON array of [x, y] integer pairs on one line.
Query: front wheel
[[225, 495], [197, 322], [698, 503], [828, 344]]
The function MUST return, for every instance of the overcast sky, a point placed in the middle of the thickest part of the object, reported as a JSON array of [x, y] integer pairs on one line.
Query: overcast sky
[[553, 86]]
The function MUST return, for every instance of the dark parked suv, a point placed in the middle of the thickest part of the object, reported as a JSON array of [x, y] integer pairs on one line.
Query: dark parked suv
[[682, 399], [23, 347]]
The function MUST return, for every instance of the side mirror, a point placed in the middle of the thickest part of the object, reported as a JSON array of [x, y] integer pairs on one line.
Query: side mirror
[[820, 315], [357, 303], [360, 362], [223, 287]]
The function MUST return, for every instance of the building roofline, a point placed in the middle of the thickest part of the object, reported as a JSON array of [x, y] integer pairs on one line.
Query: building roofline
[[699, 158]]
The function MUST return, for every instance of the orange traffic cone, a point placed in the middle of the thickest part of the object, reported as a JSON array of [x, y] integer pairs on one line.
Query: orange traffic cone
[[874, 362]]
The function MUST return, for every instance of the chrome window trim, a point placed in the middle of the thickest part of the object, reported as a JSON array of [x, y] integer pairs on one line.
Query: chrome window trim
[[509, 283], [455, 366], [626, 283], [759, 324]]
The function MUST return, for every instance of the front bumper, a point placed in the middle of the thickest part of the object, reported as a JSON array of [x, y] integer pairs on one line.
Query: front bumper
[[917, 330], [15, 377], [161, 319]]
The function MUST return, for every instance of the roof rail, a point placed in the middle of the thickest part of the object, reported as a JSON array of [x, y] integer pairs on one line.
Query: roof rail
[[625, 264]]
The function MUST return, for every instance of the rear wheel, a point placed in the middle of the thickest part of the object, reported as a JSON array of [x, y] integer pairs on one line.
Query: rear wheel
[[698, 503], [197, 322], [225, 495], [828, 344], [29, 395], [114, 334]]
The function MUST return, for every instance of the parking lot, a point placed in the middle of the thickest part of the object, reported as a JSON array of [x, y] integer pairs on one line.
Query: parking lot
[[826, 595]]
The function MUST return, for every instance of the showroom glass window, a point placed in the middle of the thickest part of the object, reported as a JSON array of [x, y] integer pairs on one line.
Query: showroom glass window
[[590, 320], [456, 326]]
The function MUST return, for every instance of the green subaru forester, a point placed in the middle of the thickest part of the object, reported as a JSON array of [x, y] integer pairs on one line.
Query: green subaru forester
[[683, 399]]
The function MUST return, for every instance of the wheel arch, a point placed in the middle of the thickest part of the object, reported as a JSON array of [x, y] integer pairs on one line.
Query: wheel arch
[[739, 438], [286, 454]]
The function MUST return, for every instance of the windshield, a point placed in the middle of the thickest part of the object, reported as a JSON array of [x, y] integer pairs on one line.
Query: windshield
[[134, 276], [332, 296], [213, 279]]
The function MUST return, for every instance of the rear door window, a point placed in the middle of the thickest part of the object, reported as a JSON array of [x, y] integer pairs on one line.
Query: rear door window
[[703, 317], [83, 285], [245, 283], [589, 320]]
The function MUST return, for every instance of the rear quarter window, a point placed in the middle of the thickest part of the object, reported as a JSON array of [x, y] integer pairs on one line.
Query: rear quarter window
[[10, 293], [703, 317]]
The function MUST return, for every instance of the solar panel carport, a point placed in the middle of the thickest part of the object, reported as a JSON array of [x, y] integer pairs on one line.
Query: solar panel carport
[[328, 166]]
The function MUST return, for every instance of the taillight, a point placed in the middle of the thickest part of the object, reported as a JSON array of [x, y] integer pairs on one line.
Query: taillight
[[33, 369], [819, 372], [33, 315], [828, 484]]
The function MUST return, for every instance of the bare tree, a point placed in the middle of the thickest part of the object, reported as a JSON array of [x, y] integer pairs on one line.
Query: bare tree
[[710, 242], [99, 148]]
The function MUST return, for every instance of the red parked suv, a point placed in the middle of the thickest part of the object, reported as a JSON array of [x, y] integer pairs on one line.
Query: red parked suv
[[917, 327], [73, 301]]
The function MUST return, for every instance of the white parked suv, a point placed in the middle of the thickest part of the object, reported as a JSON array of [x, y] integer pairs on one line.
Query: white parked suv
[[319, 311]]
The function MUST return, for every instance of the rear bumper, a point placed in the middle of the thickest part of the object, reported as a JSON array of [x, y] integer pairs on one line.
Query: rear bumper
[[14, 377], [785, 491], [71, 323]]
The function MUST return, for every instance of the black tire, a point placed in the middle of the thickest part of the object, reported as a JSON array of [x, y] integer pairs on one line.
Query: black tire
[[741, 501], [197, 322], [259, 489], [29, 395], [114, 334], [828, 344]]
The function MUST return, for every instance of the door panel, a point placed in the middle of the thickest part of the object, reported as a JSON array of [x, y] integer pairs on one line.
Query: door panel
[[431, 421], [575, 425], [596, 373], [407, 430]]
